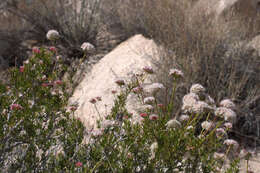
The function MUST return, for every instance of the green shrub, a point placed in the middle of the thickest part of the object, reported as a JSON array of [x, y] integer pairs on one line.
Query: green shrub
[[35, 126]]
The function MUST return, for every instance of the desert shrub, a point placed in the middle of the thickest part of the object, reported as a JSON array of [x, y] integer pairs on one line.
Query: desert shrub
[[35, 126], [77, 22]]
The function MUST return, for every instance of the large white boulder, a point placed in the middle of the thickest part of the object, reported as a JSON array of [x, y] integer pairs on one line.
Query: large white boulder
[[130, 56]]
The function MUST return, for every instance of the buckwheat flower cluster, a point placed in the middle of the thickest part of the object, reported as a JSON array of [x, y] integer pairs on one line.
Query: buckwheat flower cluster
[[227, 114], [228, 125], [189, 101], [147, 108], [149, 100], [52, 35], [190, 128], [227, 103], [207, 125], [197, 88], [138, 90], [148, 69], [184, 118], [198, 101], [175, 73], [87, 47], [221, 133], [231, 143], [201, 107], [153, 88], [174, 124]]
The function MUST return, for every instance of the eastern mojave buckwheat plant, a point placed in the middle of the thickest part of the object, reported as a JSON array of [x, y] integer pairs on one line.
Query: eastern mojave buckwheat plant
[[39, 135]]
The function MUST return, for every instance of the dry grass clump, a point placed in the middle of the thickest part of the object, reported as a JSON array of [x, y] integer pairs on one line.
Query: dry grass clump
[[76, 22]]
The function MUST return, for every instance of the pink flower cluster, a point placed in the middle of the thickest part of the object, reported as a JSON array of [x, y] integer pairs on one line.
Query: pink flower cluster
[[79, 164], [148, 69], [21, 69], [16, 107], [52, 49], [36, 50], [46, 84], [120, 82], [94, 100]]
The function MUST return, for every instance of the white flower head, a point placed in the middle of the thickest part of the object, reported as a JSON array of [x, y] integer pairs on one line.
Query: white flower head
[[221, 133], [207, 125], [153, 149], [197, 88], [228, 125], [147, 108], [27, 61], [88, 47], [227, 103], [201, 107], [52, 35], [154, 146], [173, 124], [190, 127], [188, 101], [153, 88], [228, 114], [231, 142], [184, 118], [176, 73], [149, 100]]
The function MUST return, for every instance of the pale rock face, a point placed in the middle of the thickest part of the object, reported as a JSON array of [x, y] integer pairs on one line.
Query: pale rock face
[[254, 44], [217, 7], [127, 58]]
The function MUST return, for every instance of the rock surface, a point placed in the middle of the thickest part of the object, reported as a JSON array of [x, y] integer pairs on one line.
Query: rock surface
[[218, 7], [127, 58]]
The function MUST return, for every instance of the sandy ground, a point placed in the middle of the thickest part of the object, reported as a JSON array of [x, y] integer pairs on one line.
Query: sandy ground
[[253, 165]]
